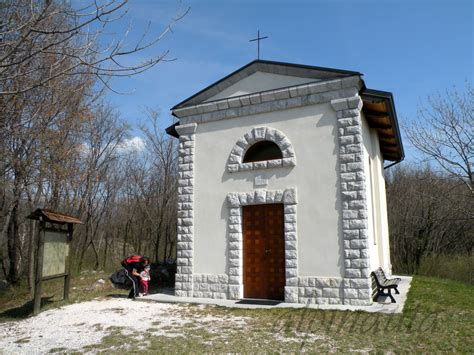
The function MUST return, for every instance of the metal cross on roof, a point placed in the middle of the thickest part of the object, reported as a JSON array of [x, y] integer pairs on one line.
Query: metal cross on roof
[[258, 39]]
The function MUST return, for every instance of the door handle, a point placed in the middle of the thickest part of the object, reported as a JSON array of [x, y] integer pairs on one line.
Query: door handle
[[267, 251]]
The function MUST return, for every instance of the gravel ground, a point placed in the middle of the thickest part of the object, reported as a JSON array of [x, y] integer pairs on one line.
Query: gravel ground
[[75, 326]]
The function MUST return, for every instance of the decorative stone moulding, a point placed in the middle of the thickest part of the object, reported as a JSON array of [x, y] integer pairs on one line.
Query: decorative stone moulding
[[235, 162], [271, 100]]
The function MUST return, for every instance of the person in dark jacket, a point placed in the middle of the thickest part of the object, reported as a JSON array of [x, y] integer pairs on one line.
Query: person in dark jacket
[[133, 266]]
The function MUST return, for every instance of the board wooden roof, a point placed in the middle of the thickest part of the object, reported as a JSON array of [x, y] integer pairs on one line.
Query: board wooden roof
[[51, 216], [379, 111]]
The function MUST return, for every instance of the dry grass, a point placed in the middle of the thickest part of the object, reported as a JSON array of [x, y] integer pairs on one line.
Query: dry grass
[[453, 267]]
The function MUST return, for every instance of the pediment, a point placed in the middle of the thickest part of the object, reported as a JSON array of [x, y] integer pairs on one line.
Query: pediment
[[260, 81], [262, 75]]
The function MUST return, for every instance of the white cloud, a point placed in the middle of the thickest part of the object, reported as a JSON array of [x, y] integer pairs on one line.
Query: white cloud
[[134, 144]]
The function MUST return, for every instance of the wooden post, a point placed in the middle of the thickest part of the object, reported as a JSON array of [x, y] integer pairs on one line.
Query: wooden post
[[39, 269], [67, 271]]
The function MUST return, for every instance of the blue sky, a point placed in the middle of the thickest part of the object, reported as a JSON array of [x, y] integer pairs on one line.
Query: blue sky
[[410, 48]]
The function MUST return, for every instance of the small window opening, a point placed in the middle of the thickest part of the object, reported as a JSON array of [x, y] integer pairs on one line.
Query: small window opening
[[261, 151]]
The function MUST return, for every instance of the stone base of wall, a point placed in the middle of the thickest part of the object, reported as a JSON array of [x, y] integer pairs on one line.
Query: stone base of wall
[[211, 286], [183, 286], [310, 290], [315, 290]]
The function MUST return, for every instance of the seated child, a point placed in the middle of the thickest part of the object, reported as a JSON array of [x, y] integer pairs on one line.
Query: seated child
[[144, 278]]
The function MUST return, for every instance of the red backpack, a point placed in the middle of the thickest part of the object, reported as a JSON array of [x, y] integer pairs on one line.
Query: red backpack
[[131, 260]]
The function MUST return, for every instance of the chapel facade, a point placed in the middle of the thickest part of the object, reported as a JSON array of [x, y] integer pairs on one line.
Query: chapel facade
[[281, 191]]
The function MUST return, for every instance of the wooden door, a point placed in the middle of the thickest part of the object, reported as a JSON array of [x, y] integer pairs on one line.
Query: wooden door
[[264, 251]]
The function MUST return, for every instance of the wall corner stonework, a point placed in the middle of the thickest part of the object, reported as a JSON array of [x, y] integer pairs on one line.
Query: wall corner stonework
[[185, 235], [357, 286]]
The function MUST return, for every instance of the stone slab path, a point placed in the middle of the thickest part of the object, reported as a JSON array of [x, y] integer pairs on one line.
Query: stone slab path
[[382, 306]]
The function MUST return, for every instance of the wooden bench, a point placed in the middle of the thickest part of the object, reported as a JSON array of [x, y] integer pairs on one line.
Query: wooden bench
[[382, 284]]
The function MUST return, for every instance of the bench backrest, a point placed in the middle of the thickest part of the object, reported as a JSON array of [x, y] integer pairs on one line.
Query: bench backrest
[[375, 285], [380, 274], [379, 278]]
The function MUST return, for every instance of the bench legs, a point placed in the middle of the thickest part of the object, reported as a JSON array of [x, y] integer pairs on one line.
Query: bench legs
[[389, 294]]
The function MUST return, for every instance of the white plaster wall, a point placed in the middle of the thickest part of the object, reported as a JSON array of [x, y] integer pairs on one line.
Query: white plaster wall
[[379, 247], [312, 131], [371, 194], [382, 220], [260, 81]]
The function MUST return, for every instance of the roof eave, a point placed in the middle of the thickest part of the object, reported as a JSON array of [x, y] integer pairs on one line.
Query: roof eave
[[171, 130], [392, 114]]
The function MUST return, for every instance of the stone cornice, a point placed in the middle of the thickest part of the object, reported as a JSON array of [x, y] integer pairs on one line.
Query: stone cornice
[[272, 100], [186, 129]]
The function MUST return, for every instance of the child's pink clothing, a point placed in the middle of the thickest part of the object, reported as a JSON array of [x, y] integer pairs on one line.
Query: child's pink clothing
[[144, 286], [144, 278]]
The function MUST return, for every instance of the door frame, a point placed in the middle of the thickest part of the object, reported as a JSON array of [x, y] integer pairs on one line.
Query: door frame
[[235, 201]]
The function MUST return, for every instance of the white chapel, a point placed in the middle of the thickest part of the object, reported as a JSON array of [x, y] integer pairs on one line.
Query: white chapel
[[281, 187]]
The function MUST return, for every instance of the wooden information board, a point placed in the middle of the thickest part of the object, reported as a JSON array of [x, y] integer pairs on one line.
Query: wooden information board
[[52, 252], [56, 252]]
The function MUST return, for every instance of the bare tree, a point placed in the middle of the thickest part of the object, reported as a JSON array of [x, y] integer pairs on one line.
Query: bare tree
[[430, 205], [52, 59], [151, 189], [429, 214], [30, 126], [444, 132], [44, 40], [103, 134], [162, 151]]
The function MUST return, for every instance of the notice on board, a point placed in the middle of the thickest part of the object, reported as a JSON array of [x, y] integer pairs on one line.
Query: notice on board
[[56, 251]]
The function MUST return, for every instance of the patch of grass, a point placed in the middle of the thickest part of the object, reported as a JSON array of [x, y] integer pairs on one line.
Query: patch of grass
[[454, 267], [57, 350], [23, 340], [114, 342]]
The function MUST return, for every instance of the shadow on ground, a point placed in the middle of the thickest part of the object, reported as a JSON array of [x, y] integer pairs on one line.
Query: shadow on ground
[[25, 310], [153, 289], [162, 289], [117, 295]]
